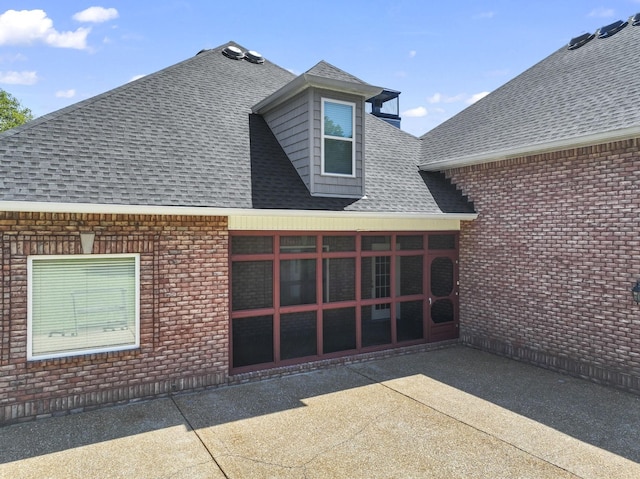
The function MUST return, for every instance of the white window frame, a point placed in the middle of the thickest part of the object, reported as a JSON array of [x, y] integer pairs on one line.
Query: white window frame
[[352, 140], [80, 352]]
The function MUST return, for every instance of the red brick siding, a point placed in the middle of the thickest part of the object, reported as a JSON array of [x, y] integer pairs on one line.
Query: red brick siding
[[184, 313], [547, 268]]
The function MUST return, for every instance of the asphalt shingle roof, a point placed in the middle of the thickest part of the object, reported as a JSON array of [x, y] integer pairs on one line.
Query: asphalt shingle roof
[[185, 136], [569, 95], [327, 70]]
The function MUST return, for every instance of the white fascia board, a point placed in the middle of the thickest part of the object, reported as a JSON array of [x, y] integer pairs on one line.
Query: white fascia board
[[89, 208], [307, 80], [528, 150]]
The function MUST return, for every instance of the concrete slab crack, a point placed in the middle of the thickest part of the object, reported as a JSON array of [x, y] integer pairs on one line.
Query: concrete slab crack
[[351, 437]]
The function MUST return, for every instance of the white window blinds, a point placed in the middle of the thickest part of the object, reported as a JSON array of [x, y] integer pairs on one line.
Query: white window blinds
[[82, 304]]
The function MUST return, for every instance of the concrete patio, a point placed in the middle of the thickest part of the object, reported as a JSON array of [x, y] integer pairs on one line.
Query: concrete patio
[[454, 412]]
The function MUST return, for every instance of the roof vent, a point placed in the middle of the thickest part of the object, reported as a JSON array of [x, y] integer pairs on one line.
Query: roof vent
[[610, 30], [253, 57], [233, 52], [577, 42], [635, 20]]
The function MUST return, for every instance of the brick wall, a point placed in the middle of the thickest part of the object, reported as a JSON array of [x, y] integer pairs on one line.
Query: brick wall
[[184, 313], [547, 268]]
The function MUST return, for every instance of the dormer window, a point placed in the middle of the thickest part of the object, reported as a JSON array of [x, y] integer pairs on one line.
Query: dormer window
[[338, 146], [319, 120]]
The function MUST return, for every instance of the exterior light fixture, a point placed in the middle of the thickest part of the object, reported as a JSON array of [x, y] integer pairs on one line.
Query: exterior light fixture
[[635, 292]]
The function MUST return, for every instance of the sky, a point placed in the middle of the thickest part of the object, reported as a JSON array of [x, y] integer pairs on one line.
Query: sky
[[442, 55]]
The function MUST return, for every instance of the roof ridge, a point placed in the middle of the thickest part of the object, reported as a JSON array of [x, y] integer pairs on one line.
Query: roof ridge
[[104, 95], [318, 68], [567, 98]]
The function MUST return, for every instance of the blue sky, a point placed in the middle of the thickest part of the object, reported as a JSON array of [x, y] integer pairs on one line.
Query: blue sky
[[440, 55]]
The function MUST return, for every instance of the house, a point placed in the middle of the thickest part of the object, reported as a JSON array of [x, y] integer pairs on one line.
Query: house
[[204, 225], [551, 161], [224, 220]]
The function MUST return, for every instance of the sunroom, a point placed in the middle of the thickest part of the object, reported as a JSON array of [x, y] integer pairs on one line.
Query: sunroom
[[305, 296]]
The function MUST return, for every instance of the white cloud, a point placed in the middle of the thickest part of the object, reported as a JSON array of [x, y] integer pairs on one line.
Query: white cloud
[[77, 39], [96, 15], [415, 112], [602, 12], [66, 93], [440, 98], [136, 77], [10, 58], [28, 26], [435, 98], [18, 78], [412, 53], [497, 73], [485, 15], [476, 96]]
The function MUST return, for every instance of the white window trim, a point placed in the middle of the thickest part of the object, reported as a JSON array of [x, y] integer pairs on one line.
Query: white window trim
[[352, 139], [82, 352]]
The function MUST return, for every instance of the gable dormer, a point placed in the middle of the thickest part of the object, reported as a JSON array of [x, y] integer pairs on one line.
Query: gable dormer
[[318, 119]]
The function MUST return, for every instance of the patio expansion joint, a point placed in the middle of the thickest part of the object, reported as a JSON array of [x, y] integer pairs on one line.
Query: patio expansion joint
[[195, 431], [385, 384]]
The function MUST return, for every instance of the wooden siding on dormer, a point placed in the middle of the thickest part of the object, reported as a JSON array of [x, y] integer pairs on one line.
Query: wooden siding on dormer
[[290, 124], [327, 185], [297, 125]]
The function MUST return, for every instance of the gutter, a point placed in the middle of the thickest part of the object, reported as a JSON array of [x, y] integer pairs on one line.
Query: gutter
[[99, 208], [528, 150]]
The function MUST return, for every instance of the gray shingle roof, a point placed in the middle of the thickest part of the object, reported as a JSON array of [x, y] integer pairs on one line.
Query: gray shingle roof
[[566, 98], [185, 136], [327, 70]]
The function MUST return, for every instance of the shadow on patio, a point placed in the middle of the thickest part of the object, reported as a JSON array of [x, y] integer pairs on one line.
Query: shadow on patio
[[455, 407]]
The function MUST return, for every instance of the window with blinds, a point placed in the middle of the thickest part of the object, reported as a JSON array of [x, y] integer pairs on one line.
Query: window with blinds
[[338, 148], [82, 304]]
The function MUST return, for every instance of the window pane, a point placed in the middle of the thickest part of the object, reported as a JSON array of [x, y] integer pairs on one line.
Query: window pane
[[339, 330], [338, 243], [297, 281], [297, 244], [339, 279], [442, 241], [409, 275], [409, 321], [338, 119], [252, 285], [442, 311], [83, 304], [376, 325], [376, 243], [252, 341], [441, 276], [338, 156], [409, 242], [376, 277], [251, 244], [298, 335]]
